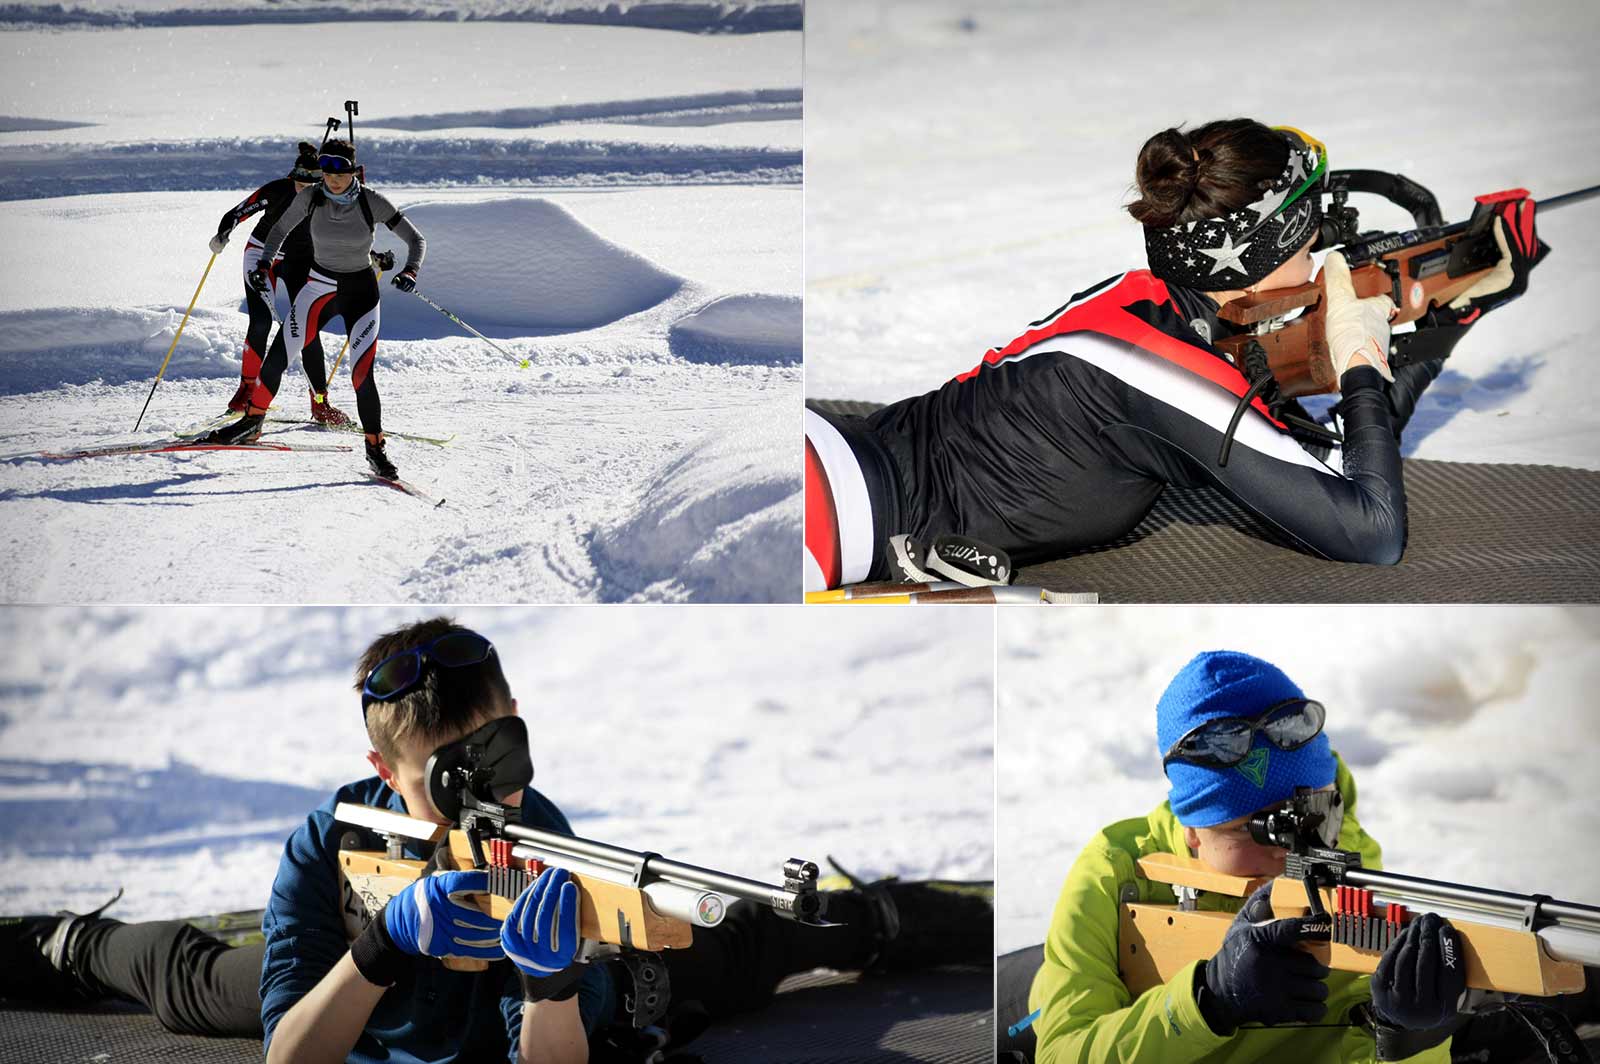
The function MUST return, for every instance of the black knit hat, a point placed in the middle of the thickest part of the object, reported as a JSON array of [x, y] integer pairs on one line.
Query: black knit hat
[[305, 164]]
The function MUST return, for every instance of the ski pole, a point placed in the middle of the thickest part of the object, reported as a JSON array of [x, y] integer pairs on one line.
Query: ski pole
[[521, 362], [340, 360], [174, 346]]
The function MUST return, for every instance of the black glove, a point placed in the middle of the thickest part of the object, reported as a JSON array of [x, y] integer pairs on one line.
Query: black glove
[[261, 277], [1260, 975], [557, 987], [383, 260], [405, 280], [1421, 977], [1521, 251]]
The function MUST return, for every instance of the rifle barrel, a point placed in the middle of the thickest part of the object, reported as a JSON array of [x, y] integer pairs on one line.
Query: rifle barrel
[[804, 906], [1567, 198]]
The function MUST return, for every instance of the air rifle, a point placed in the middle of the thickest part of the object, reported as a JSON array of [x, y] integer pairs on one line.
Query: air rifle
[[1422, 270], [1513, 943], [634, 903]]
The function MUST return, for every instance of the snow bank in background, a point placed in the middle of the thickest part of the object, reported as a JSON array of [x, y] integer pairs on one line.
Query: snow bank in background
[[511, 266], [742, 750], [718, 523], [42, 349], [693, 16], [1470, 731], [741, 328], [737, 105]]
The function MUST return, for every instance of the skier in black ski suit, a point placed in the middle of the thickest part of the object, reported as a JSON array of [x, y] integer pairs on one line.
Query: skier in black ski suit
[[287, 270], [1063, 438], [340, 215]]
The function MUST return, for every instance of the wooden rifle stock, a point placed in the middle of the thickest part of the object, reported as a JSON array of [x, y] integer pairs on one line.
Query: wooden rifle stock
[[1155, 941]]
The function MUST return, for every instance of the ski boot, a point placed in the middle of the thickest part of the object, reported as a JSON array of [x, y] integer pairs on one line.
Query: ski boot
[[325, 413], [246, 430], [378, 459], [240, 403], [917, 924], [36, 957]]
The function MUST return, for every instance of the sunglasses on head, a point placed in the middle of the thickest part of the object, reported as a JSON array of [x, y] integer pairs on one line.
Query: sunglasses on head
[[335, 164], [1226, 741], [400, 673]]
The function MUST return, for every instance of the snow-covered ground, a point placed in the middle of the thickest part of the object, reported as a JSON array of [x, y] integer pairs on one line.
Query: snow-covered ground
[[1471, 732], [170, 750], [966, 164], [618, 206]]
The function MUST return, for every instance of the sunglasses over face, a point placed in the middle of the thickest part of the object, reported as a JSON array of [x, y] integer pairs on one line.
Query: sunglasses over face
[[335, 164], [399, 674]]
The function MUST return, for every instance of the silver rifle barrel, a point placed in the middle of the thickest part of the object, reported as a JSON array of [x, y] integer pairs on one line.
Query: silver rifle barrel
[[701, 908], [802, 906], [1570, 931]]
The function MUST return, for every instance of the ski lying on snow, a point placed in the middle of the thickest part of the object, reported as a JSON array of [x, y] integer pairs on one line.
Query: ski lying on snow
[[410, 489], [437, 441], [164, 448]]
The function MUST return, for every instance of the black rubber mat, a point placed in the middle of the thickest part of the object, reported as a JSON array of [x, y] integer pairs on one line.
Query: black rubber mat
[[1477, 533], [943, 1017]]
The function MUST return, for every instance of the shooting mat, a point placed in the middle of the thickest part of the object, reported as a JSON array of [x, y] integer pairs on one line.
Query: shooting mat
[[819, 1018], [1478, 533]]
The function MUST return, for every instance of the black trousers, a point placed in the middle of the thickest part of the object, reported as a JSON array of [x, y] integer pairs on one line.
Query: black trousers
[[195, 984], [313, 299]]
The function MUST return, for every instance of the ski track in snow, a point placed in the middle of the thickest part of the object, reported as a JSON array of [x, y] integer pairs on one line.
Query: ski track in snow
[[641, 252], [175, 758], [966, 167], [1470, 732]]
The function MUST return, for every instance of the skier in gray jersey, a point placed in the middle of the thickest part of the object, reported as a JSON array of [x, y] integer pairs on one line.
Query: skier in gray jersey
[[342, 216]]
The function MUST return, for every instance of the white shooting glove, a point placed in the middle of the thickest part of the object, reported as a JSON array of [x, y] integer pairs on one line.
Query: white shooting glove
[[218, 243], [1355, 326], [1497, 279]]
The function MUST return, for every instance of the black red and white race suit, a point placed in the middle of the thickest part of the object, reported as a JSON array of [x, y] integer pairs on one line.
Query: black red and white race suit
[[1063, 439], [294, 259]]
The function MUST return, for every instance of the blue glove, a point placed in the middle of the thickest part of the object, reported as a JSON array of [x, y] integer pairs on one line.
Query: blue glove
[[1260, 975], [1422, 975], [430, 918], [405, 280], [540, 936]]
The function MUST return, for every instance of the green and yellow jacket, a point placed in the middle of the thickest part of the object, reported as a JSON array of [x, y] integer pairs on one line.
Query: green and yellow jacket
[[1088, 1015]]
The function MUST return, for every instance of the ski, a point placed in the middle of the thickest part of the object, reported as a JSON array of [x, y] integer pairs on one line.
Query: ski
[[212, 424], [437, 441], [241, 928], [164, 448], [410, 489]]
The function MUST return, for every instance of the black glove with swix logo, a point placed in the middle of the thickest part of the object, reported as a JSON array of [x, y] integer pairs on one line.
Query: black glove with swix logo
[[261, 277], [1421, 977], [1520, 251], [1261, 974], [405, 280]]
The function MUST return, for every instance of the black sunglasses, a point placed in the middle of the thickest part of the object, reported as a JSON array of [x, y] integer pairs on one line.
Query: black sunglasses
[[1225, 741], [336, 164], [400, 673]]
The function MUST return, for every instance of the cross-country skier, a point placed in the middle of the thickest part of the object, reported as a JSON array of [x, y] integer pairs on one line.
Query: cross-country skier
[[1258, 998], [342, 214], [287, 271], [1063, 438], [316, 995]]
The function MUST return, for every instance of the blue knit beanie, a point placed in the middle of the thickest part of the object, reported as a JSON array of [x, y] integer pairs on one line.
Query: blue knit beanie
[[1223, 683]]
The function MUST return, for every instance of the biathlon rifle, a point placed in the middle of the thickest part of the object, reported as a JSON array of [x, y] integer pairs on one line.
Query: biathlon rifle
[[1512, 943], [1422, 270], [634, 903]]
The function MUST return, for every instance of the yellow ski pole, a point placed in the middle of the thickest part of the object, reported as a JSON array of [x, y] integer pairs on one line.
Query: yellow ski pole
[[340, 360], [175, 338]]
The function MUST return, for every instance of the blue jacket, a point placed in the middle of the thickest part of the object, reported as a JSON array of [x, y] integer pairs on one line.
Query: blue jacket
[[435, 1016]]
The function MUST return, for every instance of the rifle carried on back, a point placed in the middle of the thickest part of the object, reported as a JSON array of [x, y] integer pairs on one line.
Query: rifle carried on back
[[634, 903], [1513, 943]]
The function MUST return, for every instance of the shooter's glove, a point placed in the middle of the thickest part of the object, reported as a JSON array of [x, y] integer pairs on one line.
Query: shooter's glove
[[1260, 975], [405, 280], [1421, 977], [261, 277], [383, 260], [1518, 255], [540, 936], [1355, 326], [218, 242], [430, 918]]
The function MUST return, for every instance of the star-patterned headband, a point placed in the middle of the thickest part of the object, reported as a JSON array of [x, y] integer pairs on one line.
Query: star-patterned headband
[[1243, 246]]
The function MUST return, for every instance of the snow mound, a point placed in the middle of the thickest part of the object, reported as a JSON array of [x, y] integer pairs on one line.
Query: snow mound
[[45, 348], [518, 267], [705, 108], [720, 523], [740, 328]]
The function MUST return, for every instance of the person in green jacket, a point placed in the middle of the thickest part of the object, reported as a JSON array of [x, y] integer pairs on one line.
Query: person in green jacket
[[1238, 737]]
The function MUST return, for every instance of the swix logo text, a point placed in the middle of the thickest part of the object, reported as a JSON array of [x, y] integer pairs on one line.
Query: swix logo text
[[1449, 951]]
